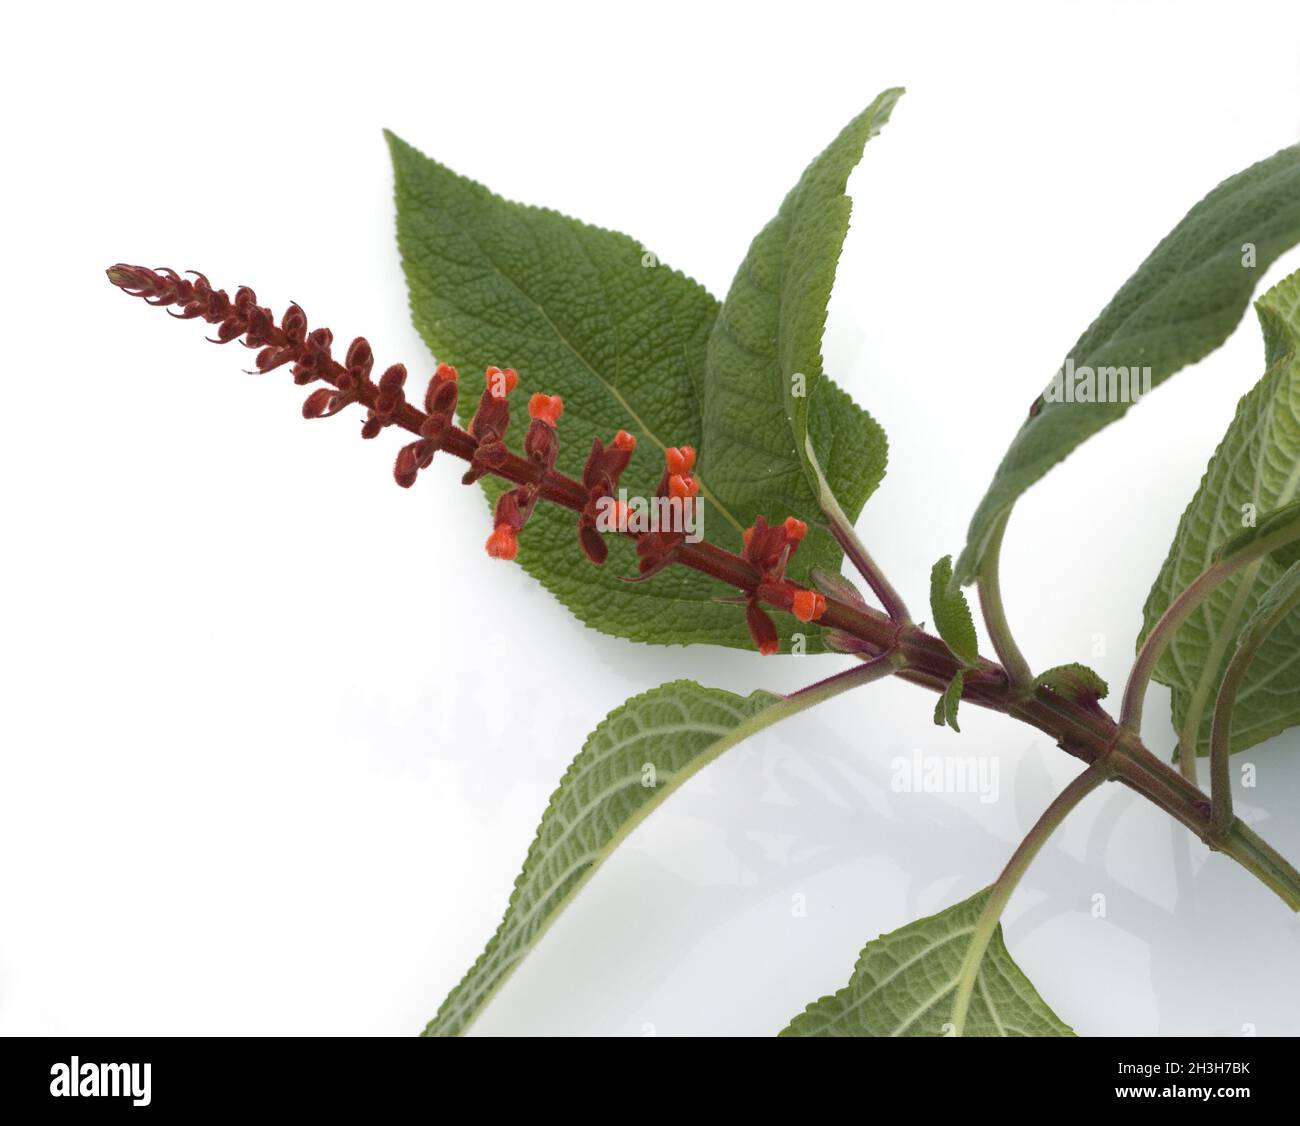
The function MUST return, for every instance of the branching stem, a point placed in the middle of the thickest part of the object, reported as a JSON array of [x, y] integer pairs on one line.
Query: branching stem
[[842, 529]]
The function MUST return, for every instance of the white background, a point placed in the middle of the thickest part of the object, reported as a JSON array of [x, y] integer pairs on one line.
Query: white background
[[260, 772]]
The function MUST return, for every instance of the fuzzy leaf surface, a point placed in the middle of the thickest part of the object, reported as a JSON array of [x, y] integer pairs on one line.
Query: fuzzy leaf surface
[[904, 982], [1257, 463]]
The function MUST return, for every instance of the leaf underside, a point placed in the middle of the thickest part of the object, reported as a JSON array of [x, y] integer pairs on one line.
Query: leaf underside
[[1180, 305], [904, 983], [1257, 464], [640, 753]]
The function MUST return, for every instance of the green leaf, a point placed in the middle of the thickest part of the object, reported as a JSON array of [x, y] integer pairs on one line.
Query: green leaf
[[945, 708], [640, 753], [1073, 681], [952, 616], [588, 314], [1256, 464], [1181, 304], [765, 395], [903, 985]]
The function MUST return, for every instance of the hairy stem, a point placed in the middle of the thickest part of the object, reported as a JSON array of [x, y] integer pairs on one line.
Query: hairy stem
[[1189, 735], [1263, 861], [842, 529], [989, 585], [874, 669], [1081, 786]]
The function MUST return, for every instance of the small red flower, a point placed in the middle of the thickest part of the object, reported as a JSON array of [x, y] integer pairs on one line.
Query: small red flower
[[600, 476], [680, 460], [808, 605], [546, 408], [502, 543], [490, 422], [682, 488], [500, 383]]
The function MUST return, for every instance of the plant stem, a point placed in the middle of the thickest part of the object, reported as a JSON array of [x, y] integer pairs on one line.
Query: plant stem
[[995, 615], [867, 567], [1079, 788], [842, 529], [1262, 861], [1220, 741], [1189, 735], [874, 669]]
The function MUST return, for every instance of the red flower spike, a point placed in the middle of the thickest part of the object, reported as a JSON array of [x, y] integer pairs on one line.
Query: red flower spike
[[679, 460], [546, 408], [762, 629], [502, 543], [309, 351], [808, 605], [767, 548]]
